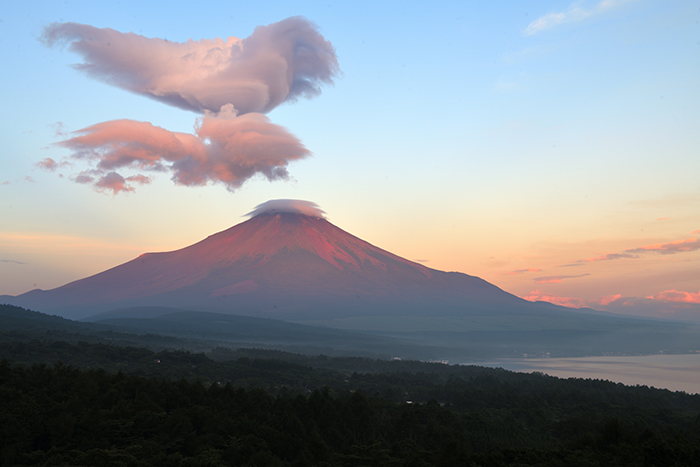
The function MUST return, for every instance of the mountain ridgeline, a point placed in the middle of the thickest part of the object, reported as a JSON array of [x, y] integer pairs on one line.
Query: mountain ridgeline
[[284, 265], [301, 268]]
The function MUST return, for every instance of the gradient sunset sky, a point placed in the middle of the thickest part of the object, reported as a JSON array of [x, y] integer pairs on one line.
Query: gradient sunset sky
[[549, 147]]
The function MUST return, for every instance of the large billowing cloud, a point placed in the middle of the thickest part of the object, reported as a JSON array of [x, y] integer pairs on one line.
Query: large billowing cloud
[[230, 81], [278, 62], [225, 148]]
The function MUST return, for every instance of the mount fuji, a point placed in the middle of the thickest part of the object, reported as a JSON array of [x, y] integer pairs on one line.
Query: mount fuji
[[287, 261]]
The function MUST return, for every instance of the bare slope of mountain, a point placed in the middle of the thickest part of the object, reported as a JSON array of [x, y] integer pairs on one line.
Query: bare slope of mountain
[[287, 265], [297, 266]]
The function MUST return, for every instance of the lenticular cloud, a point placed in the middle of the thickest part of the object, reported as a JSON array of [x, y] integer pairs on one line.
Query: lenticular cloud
[[232, 82], [279, 62]]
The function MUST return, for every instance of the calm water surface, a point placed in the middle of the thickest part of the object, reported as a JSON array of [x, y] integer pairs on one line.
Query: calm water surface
[[674, 372]]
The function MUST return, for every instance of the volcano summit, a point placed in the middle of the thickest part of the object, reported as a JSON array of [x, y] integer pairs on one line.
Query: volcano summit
[[287, 261]]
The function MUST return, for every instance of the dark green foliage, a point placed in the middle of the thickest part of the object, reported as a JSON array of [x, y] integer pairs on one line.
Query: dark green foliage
[[60, 415], [131, 406], [18, 324]]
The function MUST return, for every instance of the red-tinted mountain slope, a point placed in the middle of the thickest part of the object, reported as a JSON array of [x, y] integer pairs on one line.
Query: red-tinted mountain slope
[[280, 264]]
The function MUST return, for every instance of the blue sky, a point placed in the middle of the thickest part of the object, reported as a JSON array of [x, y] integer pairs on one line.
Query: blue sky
[[507, 141]]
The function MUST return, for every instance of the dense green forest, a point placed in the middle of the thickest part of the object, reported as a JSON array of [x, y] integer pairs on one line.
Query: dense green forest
[[96, 403]]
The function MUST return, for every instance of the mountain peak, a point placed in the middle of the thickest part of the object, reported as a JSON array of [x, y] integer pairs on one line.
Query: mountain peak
[[288, 258], [273, 231]]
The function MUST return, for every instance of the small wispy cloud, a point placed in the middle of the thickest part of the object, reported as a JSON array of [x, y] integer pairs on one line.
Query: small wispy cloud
[[668, 248], [51, 165], [521, 271], [571, 302], [556, 279], [540, 296], [575, 13], [104, 182], [59, 129], [609, 257], [11, 261]]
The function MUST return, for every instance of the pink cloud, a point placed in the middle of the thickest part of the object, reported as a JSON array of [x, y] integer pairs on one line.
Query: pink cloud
[[279, 62], [662, 218], [571, 302], [115, 182], [669, 304], [51, 165], [47, 164], [676, 296], [695, 232], [556, 279], [689, 244], [225, 149], [521, 271], [608, 299], [231, 81]]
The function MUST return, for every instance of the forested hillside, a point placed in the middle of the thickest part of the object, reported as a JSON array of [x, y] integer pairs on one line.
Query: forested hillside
[[262, 411], [94, 403]]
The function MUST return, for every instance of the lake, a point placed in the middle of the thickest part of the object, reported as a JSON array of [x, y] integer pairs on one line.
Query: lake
[[674, 372]]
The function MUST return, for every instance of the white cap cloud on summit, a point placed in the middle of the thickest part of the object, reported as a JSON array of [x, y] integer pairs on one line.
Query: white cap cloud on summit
[[232, 82], [293, 206]]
